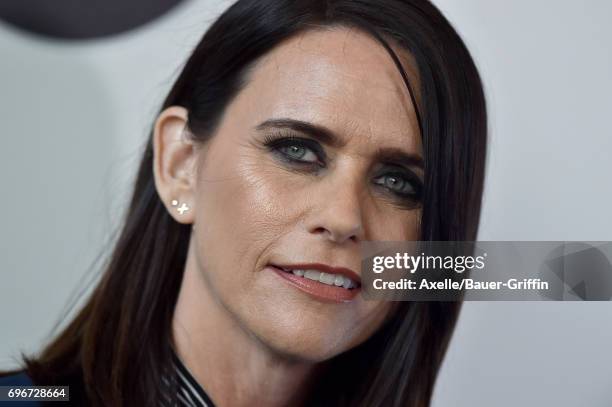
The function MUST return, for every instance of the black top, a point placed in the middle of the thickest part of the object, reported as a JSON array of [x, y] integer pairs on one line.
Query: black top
[[190, 393]]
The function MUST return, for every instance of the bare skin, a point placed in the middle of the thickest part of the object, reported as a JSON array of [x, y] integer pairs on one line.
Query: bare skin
[[248, 337]]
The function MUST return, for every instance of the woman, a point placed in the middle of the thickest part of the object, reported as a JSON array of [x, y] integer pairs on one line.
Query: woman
[[296, 130]]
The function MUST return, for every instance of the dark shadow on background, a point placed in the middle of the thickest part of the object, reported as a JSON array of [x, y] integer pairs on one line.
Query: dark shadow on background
[[78, 19]]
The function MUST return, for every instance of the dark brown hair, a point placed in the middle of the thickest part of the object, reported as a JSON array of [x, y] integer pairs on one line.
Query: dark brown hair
[[116, 348]]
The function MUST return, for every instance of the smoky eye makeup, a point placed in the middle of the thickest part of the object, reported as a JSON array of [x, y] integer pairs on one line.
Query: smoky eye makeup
[[400, 183], [295, 150], [397, 182]]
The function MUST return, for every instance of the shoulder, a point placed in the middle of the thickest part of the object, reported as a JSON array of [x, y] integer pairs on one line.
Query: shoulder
[[20, 378]]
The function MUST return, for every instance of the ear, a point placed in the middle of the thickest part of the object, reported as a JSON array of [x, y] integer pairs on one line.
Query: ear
[[174, 159]]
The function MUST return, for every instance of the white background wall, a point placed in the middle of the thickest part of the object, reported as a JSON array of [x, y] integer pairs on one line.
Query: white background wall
[[74, 117]]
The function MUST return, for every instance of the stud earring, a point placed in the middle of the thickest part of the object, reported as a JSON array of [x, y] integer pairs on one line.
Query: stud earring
[[181, 209]]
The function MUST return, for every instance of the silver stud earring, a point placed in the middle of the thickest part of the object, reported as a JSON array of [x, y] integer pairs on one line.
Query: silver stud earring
[[181, 209]]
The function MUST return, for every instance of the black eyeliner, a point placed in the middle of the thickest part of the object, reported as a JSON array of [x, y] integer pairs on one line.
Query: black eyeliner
[[274, 141]]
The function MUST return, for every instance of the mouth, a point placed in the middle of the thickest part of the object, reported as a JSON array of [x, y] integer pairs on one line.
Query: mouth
[[335, 284]]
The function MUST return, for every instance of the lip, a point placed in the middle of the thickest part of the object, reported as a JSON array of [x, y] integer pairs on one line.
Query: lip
[[316, 289]]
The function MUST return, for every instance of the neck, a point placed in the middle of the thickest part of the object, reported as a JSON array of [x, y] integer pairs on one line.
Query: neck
[[231, 365]]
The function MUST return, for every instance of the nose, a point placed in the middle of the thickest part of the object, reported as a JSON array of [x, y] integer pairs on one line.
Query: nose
[[337, 214]]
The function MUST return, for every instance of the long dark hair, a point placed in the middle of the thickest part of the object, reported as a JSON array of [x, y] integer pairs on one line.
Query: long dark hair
[[116, 348]]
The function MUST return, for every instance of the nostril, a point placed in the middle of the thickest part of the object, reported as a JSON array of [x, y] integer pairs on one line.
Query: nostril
[[338, 229], [320, 230]]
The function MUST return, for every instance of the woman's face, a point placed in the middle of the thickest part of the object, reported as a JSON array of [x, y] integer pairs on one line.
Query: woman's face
[[315, 155]]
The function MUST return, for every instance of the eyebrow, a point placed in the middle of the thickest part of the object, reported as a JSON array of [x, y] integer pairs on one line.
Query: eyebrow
[[324, 135], [399, 157], [320, 133]]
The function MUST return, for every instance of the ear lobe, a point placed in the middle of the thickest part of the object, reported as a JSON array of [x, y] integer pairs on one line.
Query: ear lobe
[[174, 159]]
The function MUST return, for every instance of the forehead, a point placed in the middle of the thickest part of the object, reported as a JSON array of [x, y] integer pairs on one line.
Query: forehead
[[340, 78]]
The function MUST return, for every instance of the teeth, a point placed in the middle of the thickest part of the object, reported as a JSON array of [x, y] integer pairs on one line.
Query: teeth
[[326, 278], [312, 275]]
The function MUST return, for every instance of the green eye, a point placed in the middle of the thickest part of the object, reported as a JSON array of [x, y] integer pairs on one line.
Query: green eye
[[397, 184], [299, 153]]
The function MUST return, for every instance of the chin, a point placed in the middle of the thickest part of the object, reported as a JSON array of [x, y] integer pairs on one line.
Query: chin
[[304, 337]]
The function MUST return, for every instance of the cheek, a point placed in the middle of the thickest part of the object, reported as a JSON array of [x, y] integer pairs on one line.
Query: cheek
[[400, 225], [390, 221], [242, 209]]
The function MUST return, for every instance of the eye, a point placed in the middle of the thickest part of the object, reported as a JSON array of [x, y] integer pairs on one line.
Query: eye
[[296, 150], [299, 153], [400, 184]]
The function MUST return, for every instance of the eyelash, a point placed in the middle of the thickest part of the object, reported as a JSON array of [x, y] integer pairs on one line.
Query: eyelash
[[277, 142]]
